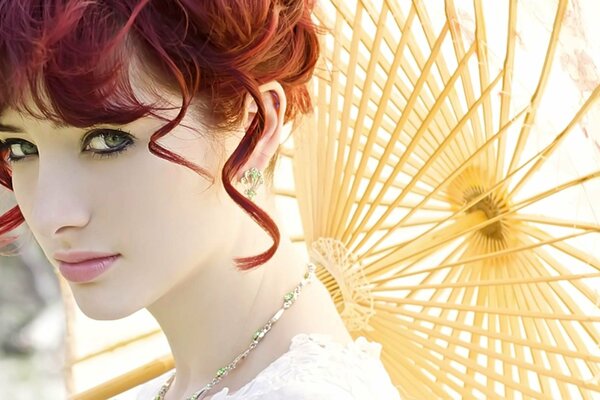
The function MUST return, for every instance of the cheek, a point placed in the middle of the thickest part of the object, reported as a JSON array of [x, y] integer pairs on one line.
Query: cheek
[[24, 187], [163, 227], [169, 215]]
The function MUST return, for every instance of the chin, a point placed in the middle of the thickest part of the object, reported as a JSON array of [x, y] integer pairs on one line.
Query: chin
[[96, 306]]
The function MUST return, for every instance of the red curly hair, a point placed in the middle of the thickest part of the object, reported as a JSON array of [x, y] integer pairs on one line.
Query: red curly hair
[[73, 59]]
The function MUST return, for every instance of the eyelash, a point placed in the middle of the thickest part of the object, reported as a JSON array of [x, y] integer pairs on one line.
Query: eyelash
[[5, 145]]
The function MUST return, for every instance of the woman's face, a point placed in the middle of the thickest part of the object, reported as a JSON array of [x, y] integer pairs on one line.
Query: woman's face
[[162, 218]]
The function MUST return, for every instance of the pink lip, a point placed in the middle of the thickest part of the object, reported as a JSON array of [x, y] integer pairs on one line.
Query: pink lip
[[80, 256], [86, 270]]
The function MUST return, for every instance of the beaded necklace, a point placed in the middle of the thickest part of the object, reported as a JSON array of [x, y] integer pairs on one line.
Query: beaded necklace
[[288, 299]]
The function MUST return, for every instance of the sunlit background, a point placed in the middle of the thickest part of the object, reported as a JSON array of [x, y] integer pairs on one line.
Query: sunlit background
[[32, 322]]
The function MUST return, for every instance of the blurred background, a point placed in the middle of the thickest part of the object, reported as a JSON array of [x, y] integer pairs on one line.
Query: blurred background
[[32, 321]]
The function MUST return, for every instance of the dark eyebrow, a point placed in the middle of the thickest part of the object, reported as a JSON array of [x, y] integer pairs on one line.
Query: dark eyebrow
[[16, 129], [10, 128]]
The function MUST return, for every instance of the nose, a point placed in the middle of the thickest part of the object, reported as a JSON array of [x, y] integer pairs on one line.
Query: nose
[[60, 206]]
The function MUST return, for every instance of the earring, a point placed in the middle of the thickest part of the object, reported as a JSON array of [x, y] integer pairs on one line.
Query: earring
[[252, 179]]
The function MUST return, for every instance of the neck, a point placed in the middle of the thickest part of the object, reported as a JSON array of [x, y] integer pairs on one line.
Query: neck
[[211, 316]]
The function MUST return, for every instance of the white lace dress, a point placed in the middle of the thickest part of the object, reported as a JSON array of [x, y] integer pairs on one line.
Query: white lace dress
[[314, 368]]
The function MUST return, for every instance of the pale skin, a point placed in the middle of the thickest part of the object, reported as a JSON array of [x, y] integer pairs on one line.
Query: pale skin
[[177, 238]]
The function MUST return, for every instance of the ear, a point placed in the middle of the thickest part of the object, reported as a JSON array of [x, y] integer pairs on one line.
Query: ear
[[275, 103]]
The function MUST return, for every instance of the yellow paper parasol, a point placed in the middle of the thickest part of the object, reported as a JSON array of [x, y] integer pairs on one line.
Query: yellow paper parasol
[[447, 184]]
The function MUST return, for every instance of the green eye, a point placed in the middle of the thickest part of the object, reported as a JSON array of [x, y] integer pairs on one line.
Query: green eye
[[107, 140], [112, 143], [17, 149]]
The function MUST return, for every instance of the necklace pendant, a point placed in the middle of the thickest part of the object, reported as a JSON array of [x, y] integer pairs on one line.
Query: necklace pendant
[[200, 394]]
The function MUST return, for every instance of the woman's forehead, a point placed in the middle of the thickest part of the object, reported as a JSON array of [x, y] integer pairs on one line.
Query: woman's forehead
[[23, 123], [165, 105], [61, 111]]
